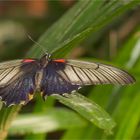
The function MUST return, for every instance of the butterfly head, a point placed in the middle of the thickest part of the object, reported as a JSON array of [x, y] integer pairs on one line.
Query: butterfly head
[[45, 59], [47, 56]]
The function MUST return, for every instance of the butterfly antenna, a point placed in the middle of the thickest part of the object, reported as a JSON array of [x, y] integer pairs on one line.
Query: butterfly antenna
[[37, 43]]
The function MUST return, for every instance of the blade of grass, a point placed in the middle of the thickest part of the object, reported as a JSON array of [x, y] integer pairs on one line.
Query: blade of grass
[[7, 115], [47, 122], [123, 108], [88, 109], [126, 130], [81, 20]]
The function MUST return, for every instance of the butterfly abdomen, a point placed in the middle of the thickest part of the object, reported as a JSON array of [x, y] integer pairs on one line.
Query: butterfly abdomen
[[38, 79]]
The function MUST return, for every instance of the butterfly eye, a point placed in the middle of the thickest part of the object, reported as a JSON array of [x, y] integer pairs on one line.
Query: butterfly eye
[[49, 55]]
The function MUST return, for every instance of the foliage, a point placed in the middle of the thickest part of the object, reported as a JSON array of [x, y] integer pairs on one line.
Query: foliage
[[83, 19]]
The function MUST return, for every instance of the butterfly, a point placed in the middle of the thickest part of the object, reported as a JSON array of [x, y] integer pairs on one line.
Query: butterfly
[[20, 79]]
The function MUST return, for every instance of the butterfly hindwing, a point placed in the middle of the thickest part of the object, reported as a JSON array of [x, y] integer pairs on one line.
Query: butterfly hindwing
[[17, 81]]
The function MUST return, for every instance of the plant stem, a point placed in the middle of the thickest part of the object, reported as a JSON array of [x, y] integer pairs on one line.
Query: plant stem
[[7, 119]]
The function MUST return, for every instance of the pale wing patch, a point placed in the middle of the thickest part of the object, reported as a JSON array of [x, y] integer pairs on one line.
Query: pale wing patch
[[9, 64], [82, 76], [94, 79], [7, 75], [71, 75], [88, 73]]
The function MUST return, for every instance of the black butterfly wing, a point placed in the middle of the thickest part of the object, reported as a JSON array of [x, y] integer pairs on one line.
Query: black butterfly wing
[[64, 76], [54, 82], [17, 81]]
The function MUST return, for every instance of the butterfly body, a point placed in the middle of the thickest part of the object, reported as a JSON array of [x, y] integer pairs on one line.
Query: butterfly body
[[20, 79]]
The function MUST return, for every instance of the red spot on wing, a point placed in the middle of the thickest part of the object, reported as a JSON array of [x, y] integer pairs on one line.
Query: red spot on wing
[[60, 60], [28, 60]]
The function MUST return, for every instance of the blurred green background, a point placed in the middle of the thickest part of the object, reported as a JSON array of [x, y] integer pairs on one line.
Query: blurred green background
[[104, 31]]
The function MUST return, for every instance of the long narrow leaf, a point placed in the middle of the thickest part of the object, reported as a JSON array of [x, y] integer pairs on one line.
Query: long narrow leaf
[[47, 122], [88, 109]]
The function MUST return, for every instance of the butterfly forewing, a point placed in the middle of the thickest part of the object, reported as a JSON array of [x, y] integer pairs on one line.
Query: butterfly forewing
[[89, 73], [17, 81]]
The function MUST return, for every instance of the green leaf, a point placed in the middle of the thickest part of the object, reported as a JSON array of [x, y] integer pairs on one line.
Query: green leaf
[[130, 98], [7, 115], [126, 130], [84, 18], [54, 119], [80, 21], [89, 110]]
